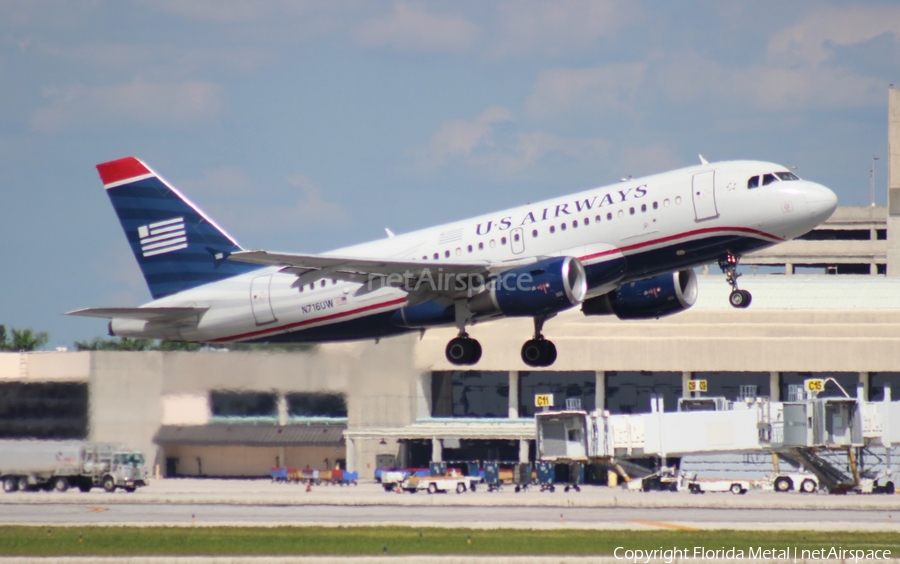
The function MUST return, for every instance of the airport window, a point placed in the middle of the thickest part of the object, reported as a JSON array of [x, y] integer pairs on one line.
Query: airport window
[[534, 233], [753, 182], [643, 207], [878, 381], [242, 404], [480, 246], [731, 384], [317, 404], [609, 216], [768, 179], [447, 253], [786, 176], [470, 393], [837, 235], [43, 410], [791, 381], [552, 229], [563, 385], [656, 205], [502, 240], [629, 392]]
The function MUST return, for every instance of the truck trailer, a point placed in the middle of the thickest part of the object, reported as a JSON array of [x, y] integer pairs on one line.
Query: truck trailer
[[29, 465]]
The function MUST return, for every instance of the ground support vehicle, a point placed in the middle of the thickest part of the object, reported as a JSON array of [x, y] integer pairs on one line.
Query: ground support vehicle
[[664, 480], [440, 484], [882, 483], [57, 465], [702, 486], [803, 483]]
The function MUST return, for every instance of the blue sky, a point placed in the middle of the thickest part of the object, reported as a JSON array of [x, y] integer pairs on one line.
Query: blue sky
[[306, 126]]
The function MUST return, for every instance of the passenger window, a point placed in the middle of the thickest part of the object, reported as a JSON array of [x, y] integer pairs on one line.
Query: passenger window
[[436, 256], [424, 257], [458, 251], [609, 216], [312, 286], [643, 207], [630, 211], [480, 246], [768, 179], [597, 219], [502, 240], [753, 182], [534, 233], [587, 221], [621, 213], [470, 248], [322, 284], [447, 253], [575, 223], [666, 202], [562, 226], [492, 243], [656, 205], [516, 237], [552, 229]]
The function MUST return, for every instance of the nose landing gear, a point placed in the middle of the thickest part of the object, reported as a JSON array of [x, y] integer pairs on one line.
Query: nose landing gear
[[738, 298], [539, 351]]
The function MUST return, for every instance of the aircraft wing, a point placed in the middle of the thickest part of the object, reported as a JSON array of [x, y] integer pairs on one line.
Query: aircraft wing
[[377, 272], [158, 314]]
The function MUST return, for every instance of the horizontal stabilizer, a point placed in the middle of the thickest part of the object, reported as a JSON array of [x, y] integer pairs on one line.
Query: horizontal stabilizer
[[156, 314]]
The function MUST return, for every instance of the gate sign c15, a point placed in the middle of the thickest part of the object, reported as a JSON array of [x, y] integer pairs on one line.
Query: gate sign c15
[[814, 385], [543, 400], [696, 385]]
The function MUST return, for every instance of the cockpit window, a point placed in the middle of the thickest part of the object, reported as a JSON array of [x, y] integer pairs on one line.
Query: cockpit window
[[768, 179], [753, 182], [786, 176]]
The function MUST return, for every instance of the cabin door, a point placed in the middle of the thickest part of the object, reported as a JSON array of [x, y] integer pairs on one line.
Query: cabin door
[[260, 302], [704, 195]]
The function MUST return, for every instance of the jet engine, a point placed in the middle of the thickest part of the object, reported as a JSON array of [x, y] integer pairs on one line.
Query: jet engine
[[545, 287], [645, 299]]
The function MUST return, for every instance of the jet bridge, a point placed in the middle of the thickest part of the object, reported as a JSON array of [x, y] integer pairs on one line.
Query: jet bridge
[[717, 425]]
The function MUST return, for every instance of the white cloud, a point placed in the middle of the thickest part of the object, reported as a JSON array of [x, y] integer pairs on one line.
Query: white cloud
[[155, 105], [476, 143], [411, 28], [606, 88], [810, 41], [555, 28]]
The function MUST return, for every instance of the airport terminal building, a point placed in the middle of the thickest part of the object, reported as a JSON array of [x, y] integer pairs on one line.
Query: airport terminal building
[[826, 305]]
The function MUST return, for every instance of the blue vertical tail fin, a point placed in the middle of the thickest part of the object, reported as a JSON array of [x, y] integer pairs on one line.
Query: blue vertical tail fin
[[177, 246]]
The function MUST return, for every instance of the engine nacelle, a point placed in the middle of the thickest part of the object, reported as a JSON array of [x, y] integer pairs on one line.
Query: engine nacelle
[[425, 314], [646, 299], [542, 288]]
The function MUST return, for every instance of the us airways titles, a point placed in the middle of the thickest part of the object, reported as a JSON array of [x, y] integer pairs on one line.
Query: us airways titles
[[578, 206]]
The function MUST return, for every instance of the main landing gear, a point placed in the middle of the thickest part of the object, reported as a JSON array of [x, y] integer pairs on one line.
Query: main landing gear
[[738, 298], [463, 349], [538, 351]]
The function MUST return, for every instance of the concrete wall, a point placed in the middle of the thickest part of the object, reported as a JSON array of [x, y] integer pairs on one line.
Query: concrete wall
[[45, 367], [893, 172]]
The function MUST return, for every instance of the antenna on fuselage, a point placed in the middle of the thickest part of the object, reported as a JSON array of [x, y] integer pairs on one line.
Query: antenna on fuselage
[[702, 160], [389, 233]]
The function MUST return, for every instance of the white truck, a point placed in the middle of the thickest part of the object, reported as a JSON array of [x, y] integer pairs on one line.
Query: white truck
[[440, 484], [29, 465], [799, 481], [737, 487]]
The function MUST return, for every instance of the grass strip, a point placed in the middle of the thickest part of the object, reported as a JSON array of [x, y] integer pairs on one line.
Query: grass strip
[[241, 541]]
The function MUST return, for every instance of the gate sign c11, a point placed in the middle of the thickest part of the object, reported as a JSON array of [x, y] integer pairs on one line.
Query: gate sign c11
[[696, 385], [814, 385], [543, 400]]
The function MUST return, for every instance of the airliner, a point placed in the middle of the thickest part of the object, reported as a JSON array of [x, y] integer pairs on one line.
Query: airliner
[[628, 249]]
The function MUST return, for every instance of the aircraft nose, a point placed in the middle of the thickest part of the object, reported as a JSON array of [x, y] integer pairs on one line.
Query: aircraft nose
[[821, 201]]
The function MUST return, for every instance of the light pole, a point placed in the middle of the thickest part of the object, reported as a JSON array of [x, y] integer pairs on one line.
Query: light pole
[[872, 182]]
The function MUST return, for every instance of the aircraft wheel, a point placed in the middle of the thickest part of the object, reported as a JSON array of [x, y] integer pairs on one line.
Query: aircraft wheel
[[740, 299], [538, 352], [463, 350]]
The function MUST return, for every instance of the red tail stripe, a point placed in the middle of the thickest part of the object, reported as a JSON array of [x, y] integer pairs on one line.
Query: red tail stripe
[[121, 169]]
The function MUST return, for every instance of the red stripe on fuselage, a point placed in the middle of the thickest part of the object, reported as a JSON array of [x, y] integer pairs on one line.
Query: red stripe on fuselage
[[121, 169], [337, 315], [685, 235]]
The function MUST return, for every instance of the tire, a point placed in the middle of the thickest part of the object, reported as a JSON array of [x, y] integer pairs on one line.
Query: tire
[[472, 488], [463, 351], [23, 484], [889, 488], [10, 484], [130, 489], [783, 484], [552, 489], [432, 488], [61, 484], [538, 352], [109, 484], [808, 486], [460, 488], [737, 299], [736, 489], [85, 485]]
